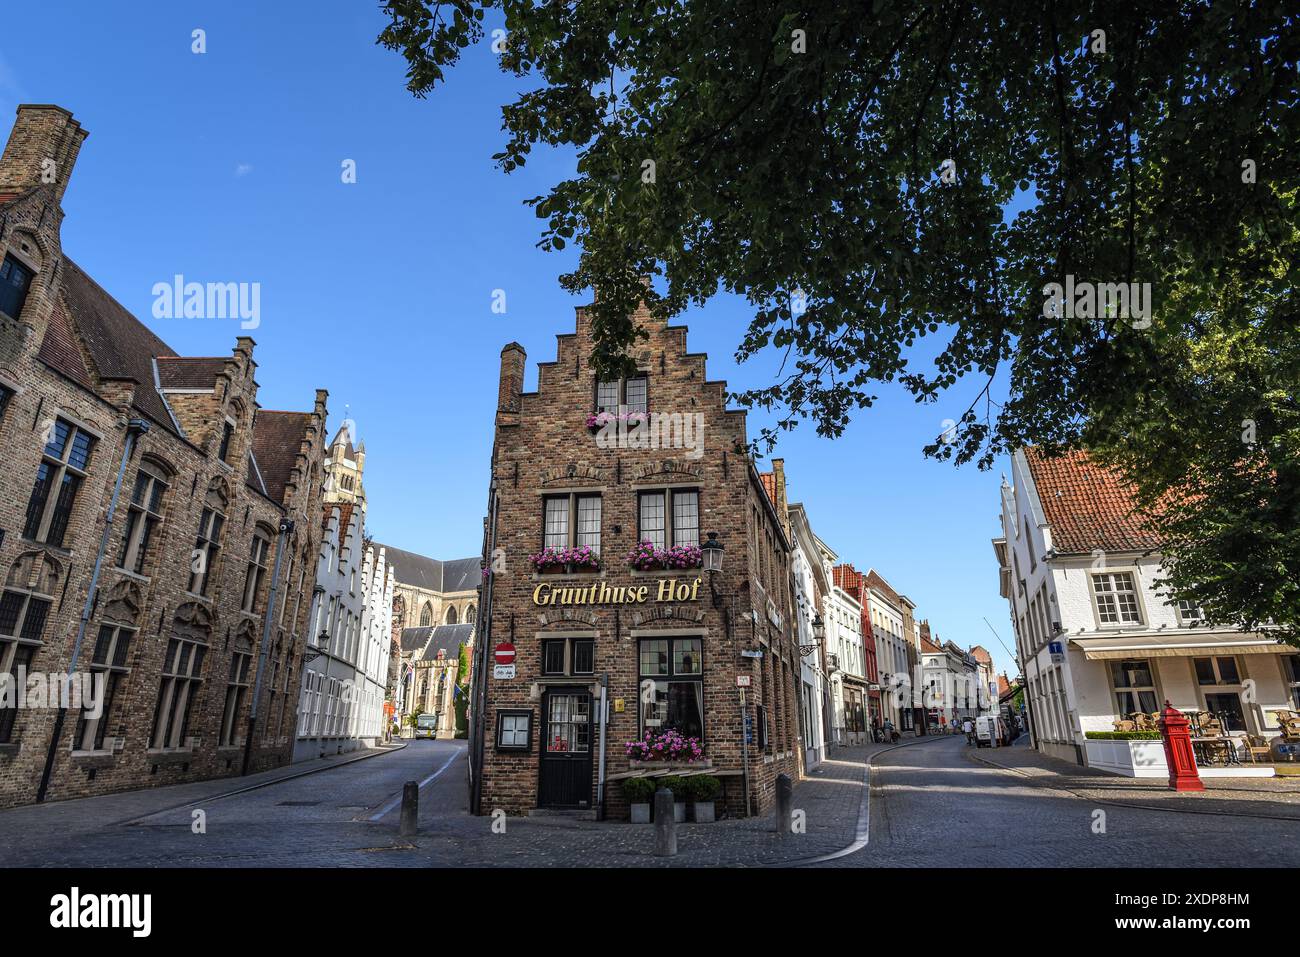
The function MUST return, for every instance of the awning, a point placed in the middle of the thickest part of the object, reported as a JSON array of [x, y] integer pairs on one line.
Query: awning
[[1181, 645]]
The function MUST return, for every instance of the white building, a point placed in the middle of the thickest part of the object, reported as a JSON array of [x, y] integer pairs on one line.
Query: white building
[[811, 583], [345, 668], [948, 683], [886, 615], [1096, 639], [847, 669]]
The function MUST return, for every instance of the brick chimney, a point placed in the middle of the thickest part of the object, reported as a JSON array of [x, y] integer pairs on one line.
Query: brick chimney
[[782, 505], [42, 148], [513, 358]]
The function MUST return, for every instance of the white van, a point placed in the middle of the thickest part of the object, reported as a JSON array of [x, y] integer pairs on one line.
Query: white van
[[990, 731]]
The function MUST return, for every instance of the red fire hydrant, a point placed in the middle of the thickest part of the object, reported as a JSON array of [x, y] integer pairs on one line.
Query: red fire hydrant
[[1178, 750]]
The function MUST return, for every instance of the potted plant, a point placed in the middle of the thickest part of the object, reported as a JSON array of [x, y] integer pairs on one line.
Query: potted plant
[[646, 557], [638, 792], [679, 786], [705, 789]]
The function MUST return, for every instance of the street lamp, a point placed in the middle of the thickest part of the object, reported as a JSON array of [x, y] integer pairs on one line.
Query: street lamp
[[819, 633], [712, 553]]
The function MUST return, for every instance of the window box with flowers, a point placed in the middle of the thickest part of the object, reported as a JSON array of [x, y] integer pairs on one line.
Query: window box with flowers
[[647, 557], [666, 749], [598, 420], [555, 560]]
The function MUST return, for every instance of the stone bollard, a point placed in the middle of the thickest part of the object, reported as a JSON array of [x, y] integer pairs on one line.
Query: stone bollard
[[665, 824], [784, 796], [410, 808]]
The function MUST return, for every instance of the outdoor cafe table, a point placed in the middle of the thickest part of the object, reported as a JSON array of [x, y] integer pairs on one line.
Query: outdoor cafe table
[[1205, 746]]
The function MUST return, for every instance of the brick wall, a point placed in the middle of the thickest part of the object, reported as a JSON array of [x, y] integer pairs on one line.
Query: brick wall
[[543, 447]]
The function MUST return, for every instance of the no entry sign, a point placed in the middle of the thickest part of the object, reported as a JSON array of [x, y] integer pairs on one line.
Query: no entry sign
[[505, 653]]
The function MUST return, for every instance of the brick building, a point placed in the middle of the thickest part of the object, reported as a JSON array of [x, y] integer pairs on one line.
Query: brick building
[[666, 646], [211, 489]]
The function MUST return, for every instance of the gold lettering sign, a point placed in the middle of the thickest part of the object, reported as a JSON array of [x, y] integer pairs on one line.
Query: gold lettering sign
[[603, 593]]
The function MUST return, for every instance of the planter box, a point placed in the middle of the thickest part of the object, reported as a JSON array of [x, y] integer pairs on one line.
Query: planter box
[[1133, 758], [640, 813], [704, 812], [669, 765]]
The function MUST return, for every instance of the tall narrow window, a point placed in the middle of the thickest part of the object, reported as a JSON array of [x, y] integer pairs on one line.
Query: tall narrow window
[[15, 280], [22, 620], [236, 691], [58, 479], [6, 394], [674, 667], [556, 531], [181, 678], [208, 542], [669, 517], [256, 570], [426, 615], [227, 433], [1116, 598], [144, 512], [109, 659]]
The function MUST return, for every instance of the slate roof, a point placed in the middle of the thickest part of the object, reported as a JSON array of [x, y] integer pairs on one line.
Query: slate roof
[[429, 639], [460, 574], [185, 372], [277, 440], [1086, 505], [120, 345], [345, 434]]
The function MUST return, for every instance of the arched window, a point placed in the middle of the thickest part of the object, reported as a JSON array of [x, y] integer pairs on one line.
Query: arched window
[[451, 615], [469, 615], [426, 615], [208, 541], [144, 512], [25, 603]]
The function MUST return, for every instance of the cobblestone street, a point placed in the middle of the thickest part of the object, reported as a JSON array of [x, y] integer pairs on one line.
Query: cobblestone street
[[933, 802]]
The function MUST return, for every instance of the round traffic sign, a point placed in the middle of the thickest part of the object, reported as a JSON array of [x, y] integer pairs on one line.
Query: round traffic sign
[[505, 653]]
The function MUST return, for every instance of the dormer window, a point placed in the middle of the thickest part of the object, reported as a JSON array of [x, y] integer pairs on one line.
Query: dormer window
[[622, 395], [15, 280]]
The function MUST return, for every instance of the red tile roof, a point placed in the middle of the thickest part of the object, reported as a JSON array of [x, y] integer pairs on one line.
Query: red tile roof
[[769, 485], [981, 654], [929, 647], [1086, 505]]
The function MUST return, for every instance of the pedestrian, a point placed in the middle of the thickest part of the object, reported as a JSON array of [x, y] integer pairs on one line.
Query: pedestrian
[[969, 729], [890, 732]]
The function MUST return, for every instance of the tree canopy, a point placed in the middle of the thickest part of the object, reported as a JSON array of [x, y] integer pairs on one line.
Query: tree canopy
[[1092, 206]]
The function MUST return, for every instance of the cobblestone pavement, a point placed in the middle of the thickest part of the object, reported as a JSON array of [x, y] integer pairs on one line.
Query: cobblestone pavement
[[931, 803], [946, 807]]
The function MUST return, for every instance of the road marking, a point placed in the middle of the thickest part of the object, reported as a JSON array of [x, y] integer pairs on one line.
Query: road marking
[[862, 834], [391, 805]]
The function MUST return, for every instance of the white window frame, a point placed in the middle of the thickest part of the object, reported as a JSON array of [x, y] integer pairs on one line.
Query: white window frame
[[1112, 574]]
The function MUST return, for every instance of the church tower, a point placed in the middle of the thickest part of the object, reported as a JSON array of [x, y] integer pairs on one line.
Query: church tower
[[344, 465]]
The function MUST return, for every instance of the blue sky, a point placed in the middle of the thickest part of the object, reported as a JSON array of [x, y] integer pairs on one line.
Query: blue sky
[[226, 166]]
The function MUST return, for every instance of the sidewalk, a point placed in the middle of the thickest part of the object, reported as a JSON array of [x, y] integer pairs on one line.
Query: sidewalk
[[71, 816], [831, 799], [1243, 797]]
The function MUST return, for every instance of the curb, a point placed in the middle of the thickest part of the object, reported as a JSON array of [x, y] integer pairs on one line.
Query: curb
[[863, 832], [262, 784], [1036, 782]]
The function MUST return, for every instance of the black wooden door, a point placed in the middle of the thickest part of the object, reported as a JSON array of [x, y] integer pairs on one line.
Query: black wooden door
[[566, 749]]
